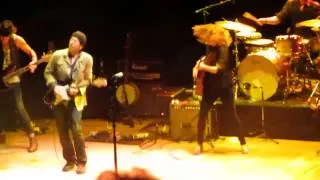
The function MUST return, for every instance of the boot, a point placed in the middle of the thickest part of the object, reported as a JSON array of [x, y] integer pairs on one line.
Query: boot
[[33, 144]]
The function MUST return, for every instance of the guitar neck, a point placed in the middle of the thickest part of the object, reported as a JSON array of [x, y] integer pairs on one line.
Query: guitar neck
[[22, 70]]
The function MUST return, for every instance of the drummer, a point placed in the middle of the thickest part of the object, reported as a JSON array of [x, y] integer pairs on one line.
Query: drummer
[[293, 12]]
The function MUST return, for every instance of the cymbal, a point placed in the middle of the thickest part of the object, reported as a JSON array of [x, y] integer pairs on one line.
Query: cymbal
[[235, 26], [313, 23]]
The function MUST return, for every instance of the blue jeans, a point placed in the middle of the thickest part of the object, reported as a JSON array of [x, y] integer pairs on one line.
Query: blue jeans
[[68, 119], [14, 98]]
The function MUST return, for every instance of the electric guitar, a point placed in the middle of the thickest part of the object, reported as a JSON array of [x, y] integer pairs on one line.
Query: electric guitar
[[59, 94], [198, 79], [11, 71]]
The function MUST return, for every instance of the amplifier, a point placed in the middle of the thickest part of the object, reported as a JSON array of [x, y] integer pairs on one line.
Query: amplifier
[[146, 70], [184, 116]]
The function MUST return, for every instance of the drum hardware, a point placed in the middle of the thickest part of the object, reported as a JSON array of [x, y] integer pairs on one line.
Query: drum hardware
[[313, 100], [262, 100]]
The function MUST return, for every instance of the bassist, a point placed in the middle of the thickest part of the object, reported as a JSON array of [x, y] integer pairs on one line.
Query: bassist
[[11, 45]]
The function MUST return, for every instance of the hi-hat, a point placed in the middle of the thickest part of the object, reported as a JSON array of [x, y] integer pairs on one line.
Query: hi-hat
[[235, 26], [313, 23]]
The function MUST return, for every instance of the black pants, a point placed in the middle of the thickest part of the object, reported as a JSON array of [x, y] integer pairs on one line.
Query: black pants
[[68, 120], [228, 107], [14, 101]]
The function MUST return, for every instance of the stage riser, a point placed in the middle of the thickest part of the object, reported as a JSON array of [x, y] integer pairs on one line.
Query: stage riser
[[280, 122]]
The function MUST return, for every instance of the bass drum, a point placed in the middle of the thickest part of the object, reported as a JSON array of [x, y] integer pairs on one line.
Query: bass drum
[[259, 74], [127, 94]]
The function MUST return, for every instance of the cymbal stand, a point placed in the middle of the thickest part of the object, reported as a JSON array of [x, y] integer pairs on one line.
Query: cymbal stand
[[264, 133], [287, 89], [235, 51]]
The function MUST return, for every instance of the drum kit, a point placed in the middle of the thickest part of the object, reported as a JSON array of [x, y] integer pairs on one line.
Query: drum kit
[[273, 68]]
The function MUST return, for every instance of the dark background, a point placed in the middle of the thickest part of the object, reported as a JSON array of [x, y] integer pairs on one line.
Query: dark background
[[160, 31]]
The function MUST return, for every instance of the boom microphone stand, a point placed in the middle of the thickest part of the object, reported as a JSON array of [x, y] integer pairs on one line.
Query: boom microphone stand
[[205, 12]]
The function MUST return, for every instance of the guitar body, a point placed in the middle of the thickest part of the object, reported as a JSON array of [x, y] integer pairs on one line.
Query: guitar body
[[12, 71], [49, 97], [198, 83], [198, 78], [59, 94], [4, 85]]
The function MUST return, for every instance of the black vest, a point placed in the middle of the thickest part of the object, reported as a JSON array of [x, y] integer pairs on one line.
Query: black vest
[[14, 54]]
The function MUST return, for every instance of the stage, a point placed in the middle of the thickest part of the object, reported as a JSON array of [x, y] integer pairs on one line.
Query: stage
[[164, 158]]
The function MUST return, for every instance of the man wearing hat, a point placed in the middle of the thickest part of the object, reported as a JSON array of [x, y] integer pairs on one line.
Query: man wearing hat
[[67, 74]]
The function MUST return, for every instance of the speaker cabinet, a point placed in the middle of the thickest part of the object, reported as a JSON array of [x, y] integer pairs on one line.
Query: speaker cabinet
[[184, 116]]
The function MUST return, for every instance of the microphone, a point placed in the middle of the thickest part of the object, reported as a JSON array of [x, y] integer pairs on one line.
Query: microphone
[[118, 75]]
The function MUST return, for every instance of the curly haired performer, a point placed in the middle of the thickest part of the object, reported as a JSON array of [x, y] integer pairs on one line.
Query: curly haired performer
[[217, 78]]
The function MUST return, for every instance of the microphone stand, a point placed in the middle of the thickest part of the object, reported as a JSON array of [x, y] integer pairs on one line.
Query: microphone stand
[[113, 114], [212, 5], [205, 13]]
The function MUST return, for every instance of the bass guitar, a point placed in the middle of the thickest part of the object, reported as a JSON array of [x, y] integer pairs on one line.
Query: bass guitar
[[11, 71], [59, 94]]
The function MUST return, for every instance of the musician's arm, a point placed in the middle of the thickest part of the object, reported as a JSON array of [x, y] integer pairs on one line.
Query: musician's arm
[[279, 17], [24, 46], [208, 68], [221, 62], [273, 20], [48, 73], [195, 68]]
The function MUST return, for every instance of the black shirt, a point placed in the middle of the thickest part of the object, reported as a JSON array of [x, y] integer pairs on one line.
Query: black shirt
[[292, 14]]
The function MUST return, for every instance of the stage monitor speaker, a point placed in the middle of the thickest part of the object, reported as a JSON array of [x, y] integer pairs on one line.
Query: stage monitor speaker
[[184, 120]]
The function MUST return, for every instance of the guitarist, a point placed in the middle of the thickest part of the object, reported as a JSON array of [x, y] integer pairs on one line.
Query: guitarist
[[217, 79], [11, 46], [70, 67]]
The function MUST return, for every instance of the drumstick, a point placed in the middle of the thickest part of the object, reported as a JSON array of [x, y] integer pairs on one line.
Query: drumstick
[[251, 17]]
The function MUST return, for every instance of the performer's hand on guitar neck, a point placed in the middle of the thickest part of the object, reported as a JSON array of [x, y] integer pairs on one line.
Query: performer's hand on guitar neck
[[32, 66]]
